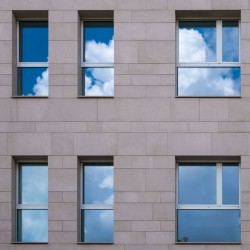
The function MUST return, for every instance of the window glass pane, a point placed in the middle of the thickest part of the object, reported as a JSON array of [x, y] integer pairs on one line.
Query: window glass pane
[[197, 184], [208, 225], [33, 184], [32, 225], [33, 41], [230, 41], [197, 41], [98, 42], [209, 81], [98, 185], [97, 225], [33, 81], [230, 184], [98, 81]]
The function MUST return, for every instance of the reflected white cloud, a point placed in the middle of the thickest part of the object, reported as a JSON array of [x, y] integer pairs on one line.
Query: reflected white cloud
[[99, 81], [203, 81], [41, 86], [107, 182]]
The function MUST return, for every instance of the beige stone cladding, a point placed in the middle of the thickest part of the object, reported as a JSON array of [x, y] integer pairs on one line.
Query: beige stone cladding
[[144, 127]]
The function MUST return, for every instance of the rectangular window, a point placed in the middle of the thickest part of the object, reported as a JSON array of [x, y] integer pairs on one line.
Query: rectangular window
[[32, 61], [208, 58], [98, 58], [32, 202], [208, 203], [97, 205]]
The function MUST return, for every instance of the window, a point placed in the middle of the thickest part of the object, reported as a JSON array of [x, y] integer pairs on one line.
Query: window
[[208, 203], [97, 215], [98, 58], [32, 202], [32, 62], [208, 58]]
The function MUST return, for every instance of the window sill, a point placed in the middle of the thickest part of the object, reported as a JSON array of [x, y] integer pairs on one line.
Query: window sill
[[208, 243], [95, 243], [30, 97], [227, 97], [30, 243], [94, 97]]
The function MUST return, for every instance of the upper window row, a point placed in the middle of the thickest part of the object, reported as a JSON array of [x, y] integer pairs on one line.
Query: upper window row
[[97, 59], [208, 60]]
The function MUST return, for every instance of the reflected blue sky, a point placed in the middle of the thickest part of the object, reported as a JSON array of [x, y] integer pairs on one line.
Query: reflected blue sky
[[98, 185], [209, 82], [33, 81], [33, 184], [98, 225], [197, 184], [230, 184], [230, 41], [33, 42], [209, 225], [98, 48], [32, 225]]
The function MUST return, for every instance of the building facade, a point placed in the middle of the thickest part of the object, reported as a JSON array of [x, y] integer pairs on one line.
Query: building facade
[[124, 125]]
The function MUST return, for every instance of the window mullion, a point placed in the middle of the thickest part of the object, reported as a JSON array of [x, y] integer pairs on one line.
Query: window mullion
[[219, 40], [219, 184]]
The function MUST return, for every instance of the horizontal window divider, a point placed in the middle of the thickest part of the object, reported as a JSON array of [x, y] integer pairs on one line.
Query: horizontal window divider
[[212, 207], [210, 65], [32, 65], [97, 65], [97, 207], [32, 207]]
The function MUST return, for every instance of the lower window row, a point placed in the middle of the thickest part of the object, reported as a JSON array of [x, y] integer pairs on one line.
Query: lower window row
[[208, 202]]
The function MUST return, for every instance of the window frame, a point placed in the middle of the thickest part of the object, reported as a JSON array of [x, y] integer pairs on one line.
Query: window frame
[[21, 207], [218, 205], [20, 65], [89, 64], [92, 206], [219, 53]]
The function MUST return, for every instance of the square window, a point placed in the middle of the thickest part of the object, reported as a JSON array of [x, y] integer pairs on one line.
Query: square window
[[32, 63], [208, 58], [98, 58], [208, 203], [97, 205], [32, 202]]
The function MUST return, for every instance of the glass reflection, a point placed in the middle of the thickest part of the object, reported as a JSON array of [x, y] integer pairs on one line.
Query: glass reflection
[[98, 81], [98, 225], [230, 184], [208, 225], [197, 41], [209, 81], [197, 184], [33, 81], [98, 42], [33, 184], [230, 41], [33, 42], [32, 225], [98, 185]]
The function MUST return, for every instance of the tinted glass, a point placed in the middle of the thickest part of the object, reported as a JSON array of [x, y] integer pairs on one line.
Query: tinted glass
[[98, 81], [98, 185], [209, 225], [33, 81], [98, 42], [32, 225], [97, 225], [208, 81], [230, 184], [33, 184], [197, 41], [197, 184], [33, 41], [230, 41]]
